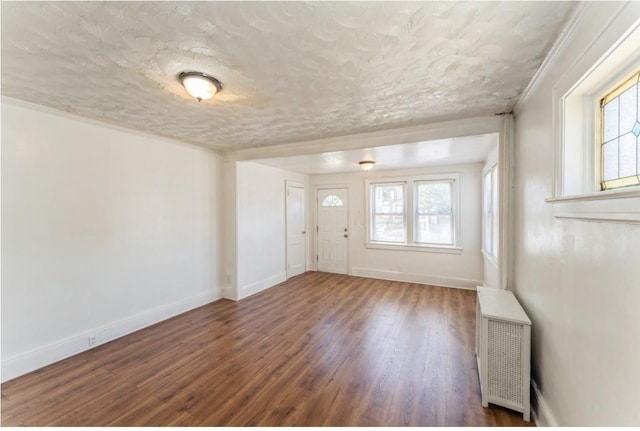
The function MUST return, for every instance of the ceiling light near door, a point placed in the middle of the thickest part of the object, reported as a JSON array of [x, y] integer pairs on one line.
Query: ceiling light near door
[[367, 164], [200, 85]]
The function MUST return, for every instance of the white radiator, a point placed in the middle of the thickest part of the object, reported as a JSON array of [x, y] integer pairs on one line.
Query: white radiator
[[503, 348]]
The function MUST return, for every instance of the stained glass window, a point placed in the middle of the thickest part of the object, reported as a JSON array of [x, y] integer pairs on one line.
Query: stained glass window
[[620, 152]]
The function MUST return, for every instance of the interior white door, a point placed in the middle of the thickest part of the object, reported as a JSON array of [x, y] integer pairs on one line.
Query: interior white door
[[333, 232], [296, 231]]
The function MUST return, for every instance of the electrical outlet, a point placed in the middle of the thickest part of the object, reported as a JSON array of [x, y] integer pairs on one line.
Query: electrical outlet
[[93, 341]]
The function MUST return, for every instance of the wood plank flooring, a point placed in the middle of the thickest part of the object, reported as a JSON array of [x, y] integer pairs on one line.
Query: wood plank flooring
[[317, 350]]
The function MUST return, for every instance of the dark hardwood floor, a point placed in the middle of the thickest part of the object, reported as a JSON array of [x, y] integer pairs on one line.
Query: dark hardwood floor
[[318, 350]]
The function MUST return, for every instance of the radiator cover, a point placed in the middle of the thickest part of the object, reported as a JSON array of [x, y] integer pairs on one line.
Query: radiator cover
[[503, 349]]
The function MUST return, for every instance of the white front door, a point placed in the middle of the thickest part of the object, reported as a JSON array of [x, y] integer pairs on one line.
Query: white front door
[[296, 232], [333, 233]]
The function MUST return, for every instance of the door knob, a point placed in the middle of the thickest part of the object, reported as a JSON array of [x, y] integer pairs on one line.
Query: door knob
[[303, 232], [346, 236]]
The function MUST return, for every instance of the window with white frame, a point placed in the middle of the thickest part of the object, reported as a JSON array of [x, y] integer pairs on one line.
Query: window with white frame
[[490, 211], [434, 212], [388, 212], [419, 211], [596, 176]]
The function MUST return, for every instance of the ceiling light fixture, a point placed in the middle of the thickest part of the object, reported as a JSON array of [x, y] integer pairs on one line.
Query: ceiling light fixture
[[367, 164], [200, 85]]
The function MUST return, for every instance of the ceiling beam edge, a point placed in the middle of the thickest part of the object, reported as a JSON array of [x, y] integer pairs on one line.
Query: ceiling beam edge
[[405, 135]]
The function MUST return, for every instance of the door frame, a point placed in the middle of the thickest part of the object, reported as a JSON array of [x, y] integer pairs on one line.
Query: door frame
[[316, 244], [301, 185]]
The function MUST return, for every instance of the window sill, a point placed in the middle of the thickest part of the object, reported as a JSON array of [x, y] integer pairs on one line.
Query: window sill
[[617, 206], [422, 248]]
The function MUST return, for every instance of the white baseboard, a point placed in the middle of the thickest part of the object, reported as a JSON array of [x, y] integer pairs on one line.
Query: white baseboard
[[38, 358], [260, 285], [459, 283], [542, 414]]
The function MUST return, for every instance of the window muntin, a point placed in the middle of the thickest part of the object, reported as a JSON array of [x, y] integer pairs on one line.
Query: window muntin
[[332, 201], [388, 212], [434, 212], [620, 131]]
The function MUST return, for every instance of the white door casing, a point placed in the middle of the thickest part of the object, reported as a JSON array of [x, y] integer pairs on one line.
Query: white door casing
[[296, 231], [333, 230]]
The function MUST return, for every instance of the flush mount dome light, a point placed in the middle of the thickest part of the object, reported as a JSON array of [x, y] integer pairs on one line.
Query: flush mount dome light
[[200, 85], [367, 164]]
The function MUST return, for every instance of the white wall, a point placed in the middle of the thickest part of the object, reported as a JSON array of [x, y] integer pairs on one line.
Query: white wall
[[579, 281], [104, 231], [443, 269], [261, 230]]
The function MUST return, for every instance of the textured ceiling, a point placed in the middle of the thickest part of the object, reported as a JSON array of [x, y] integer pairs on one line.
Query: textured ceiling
[[451, 151], [291, 71]]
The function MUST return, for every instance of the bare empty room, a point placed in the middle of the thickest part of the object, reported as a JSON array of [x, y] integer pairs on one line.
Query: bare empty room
[[320, 213]]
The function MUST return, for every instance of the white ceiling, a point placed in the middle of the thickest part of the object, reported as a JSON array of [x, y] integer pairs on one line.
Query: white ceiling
[[469, 149], [291, 71]]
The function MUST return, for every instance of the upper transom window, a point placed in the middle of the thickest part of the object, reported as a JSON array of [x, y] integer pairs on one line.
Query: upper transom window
[[620, 153], [332, 201]]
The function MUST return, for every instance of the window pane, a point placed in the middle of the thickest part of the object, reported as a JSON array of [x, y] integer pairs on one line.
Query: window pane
[[434, 198], [628, 107], [495, 211], [486, 195], [487, 192], [388, 228], [332, 201], [610, 162], [389, 199], [620, 147], [611, 120], [434, 229], [627, 155]]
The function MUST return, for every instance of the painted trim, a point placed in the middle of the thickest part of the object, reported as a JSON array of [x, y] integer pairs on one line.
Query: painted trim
[[432, 280], [38, 358], [414, 247], [542, 414], [262, 284], [604, 217], [597, 196], [617, 206]]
